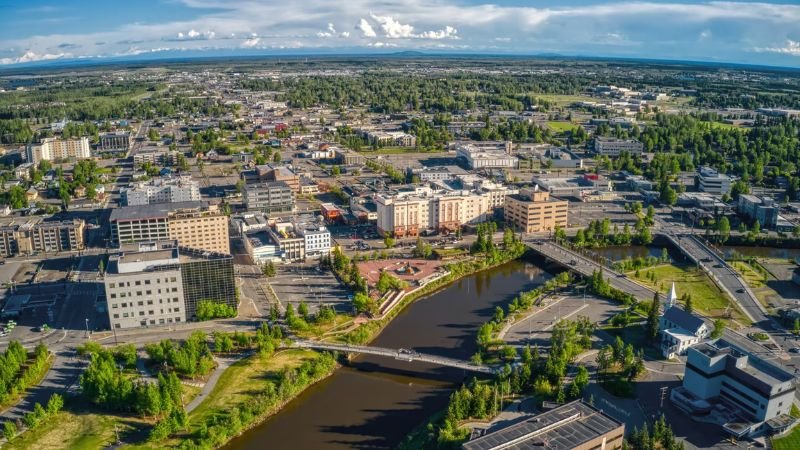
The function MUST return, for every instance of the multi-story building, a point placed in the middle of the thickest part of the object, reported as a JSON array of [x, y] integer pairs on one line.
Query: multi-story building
[[762, 209], [477, 157], [116, 142], [349, 157], [195, 225], [573, 426], [291, 245], [145, 288], [316, 236], [53, 149], [407, 213], [161, 190], [23, 236], [713, 182], [439, 173], [608, 146], [533, 211], [160, 283], [397, 138], [156, 156], [761, 392], [248, 222], [275, 197], [270, 173]]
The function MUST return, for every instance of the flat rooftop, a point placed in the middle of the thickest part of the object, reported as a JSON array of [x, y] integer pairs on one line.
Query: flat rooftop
[[152, 211], [155, 255], [562, 428]]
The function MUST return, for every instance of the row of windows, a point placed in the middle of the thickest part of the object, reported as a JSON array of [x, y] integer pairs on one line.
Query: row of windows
[[151, 312], [139, 282], [139, 293], [141, 303], [153, 322]]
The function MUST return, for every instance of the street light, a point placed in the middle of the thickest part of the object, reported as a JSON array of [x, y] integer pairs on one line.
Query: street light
[[87, 327]]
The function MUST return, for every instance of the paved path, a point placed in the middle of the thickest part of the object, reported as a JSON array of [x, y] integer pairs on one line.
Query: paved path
[[222, 365]]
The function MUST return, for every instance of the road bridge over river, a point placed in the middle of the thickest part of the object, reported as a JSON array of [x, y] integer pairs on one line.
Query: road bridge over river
[[576, 262], [398, 354]]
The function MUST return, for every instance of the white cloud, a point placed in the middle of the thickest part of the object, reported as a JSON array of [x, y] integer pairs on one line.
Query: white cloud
[[743, 31], [250, 43], [381, 44], [447, 33], [366, 28], [30, 56], [791, 48], [392, 28]]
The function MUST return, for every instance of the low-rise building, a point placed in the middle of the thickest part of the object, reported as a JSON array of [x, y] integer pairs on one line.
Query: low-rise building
[[270, 198], [349, 157], [53, 149], [679, 329], [26, 235], [612, 147], [116, 142], [573, 426], [762, 209], [711, 181], [479, 157], [534, 211], [161, 190], [720, 371], [155, 156]]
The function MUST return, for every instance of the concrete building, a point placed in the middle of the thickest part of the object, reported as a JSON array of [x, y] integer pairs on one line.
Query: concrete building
[[679, 329], [274, 197], [26, 235], [53, 149], [160, 283], [533, 211], [195, 225], [349, 157], [478, 157], [612, 147], [155, 156], [409, 212], [248, 222], [117, 142], [439, 173], [719, 371], [291, 245], [711, 181], [161, 190], [394, 138], [317, 238], [762, 209], [573, 426], [272, 174]]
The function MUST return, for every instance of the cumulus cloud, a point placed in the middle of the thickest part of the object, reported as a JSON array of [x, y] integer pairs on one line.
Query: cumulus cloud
[[250, 43], [392, 28], [192, 35], [366, 28], [791, 48], [30, 56], [447, 33]]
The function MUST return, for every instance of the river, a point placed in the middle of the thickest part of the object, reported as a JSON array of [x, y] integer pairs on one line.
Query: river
[[373, 403]]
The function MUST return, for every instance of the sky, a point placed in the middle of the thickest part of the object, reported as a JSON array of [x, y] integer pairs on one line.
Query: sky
[[719, 31]]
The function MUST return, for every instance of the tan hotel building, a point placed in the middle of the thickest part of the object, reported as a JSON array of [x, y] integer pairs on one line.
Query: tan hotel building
[[533, 211], [196, 225], [52, 149], [410, 212]]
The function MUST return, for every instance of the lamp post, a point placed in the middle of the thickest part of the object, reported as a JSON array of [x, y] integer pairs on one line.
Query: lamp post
[[87, 327]]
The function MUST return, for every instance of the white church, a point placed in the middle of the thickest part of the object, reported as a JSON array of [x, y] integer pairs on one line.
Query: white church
[[679, 329]]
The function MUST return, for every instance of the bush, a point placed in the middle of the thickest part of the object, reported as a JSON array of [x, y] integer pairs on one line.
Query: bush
[[209, 309]]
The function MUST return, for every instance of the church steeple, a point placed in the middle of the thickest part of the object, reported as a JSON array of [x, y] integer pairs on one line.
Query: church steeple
[[672, 297]]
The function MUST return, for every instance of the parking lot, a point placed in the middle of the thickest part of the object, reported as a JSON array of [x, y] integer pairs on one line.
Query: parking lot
[[537, 328], [294, 283]]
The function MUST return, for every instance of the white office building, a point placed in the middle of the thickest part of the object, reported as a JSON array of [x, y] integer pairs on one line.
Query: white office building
[[713, 182], [317, 238], [609, 146], [161, 190], [486, 158], [759, 392]]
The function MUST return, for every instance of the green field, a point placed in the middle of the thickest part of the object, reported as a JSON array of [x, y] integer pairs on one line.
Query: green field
[[706, 297], [561, 127], [564, 100], [789, 442]]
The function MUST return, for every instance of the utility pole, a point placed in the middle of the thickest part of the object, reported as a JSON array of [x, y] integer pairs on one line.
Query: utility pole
[[663, 390]]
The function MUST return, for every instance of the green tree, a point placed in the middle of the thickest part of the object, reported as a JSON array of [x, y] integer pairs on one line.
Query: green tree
[[652, 318], [9, 430], [268, 269], [723, 229], [388, 240], [688, 306]]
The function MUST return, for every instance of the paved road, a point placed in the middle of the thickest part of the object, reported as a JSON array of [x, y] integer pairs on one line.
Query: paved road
[[585, 266]]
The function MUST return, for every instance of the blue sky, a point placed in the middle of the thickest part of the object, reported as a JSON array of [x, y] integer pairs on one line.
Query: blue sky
[[723, 31]]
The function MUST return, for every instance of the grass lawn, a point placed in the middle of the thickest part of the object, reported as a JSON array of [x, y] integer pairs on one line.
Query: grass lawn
[[563, 100], [755, 280], [561, 127], [617, 384], [789, 442], [724, 126], [79, 426], [706, 297]]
